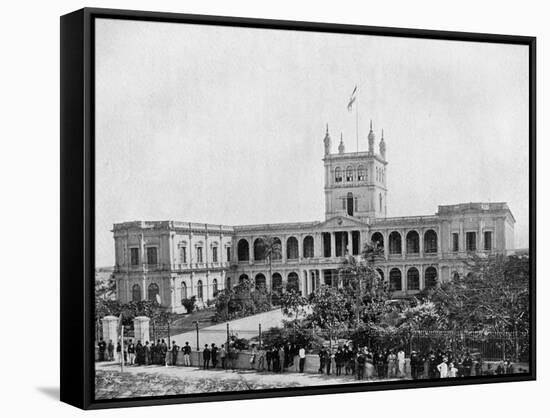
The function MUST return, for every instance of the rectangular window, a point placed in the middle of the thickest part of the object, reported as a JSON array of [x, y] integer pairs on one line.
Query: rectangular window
[[152, 256], [471, 241], [488, 241], [455, 242], [214, 254], [183, 255], [199, 254], [134, 256], [228, 251]]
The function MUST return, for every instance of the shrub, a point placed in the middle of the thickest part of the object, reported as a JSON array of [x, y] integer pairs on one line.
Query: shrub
[[189, 304]]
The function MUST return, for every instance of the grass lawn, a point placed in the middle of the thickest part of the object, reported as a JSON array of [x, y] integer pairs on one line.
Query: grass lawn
[[186, 322]]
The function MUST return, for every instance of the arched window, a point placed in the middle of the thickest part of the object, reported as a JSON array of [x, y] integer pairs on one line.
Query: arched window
[[152, 292], [349, 174], [199, 290], [380, 273], [276, 251], [260, 281], [243, 278], [395, 243], [338, 175], [259, 249], [430, 241], [215, 287], [136, 293], [430, 277], [276, 282], [455, 276], [293, 283], [183, 290], [413, 279], [361, 173], [378, 238], [243, 253], [308, 247], [395, 279], [292, 248], [228, 283], [413, 242], [350, 203]]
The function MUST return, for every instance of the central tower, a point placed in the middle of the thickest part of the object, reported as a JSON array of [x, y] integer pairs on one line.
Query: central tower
[[355, 182]]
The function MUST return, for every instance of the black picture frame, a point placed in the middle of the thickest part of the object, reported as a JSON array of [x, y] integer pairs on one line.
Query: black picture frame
[[77, 202]]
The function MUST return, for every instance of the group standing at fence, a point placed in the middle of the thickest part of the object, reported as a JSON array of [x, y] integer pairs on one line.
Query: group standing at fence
[[360, 362]]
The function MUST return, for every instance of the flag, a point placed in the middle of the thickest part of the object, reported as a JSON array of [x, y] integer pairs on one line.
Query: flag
[[352, 99]]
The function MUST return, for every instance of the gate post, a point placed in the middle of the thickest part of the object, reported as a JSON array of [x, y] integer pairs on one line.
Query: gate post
[[141, 328]]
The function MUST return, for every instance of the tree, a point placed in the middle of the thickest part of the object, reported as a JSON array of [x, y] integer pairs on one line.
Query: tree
[[492, 297], [366, 289], [293, 304], [271, 248], [329, 310]]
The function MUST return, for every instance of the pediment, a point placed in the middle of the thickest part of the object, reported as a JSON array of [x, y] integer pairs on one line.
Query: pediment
[[342, 222]]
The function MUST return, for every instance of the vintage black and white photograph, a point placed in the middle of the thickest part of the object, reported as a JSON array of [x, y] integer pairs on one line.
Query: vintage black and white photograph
[[282, 209]]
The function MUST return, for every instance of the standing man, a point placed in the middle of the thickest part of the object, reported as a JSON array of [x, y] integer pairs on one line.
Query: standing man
[[261, 359], [110, 351], [223, 355], [281, 359], [118, 352], [467, 365], [206, 356], [302, 356], [162, 353], [131, 353], [147, 351], [102, 346], [268, 358], [175, 349], [187, 354], [321, 360], [214, 355], [401, 363]]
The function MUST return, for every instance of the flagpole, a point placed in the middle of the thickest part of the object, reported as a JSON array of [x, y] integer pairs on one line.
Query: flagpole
[[357, 123], [121, 347]]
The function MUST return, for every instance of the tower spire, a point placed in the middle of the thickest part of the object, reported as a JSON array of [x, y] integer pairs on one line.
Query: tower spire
[[371, 139], [341, 147], [327, 142], [382, 146]]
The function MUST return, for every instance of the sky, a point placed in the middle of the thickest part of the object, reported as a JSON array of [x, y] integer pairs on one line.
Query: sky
[[225, 125]]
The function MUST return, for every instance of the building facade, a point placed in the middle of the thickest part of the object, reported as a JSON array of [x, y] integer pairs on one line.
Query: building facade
[[171, 261]]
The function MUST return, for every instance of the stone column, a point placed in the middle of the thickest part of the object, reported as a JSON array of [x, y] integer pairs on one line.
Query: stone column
[[386, 246], [421, 242], [333, 244], [110, 329], [349, 245], [300, 247], [403, 244], [283, 249], [317, 237], [251, 250], [143, 288], [141, 329], [303, 285], [439, 249], [141, 250]]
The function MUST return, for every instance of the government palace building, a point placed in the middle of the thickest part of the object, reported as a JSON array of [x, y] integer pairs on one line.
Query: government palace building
[[177, 260]]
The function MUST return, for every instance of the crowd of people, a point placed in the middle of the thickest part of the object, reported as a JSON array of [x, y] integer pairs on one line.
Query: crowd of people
[[344, 359]]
